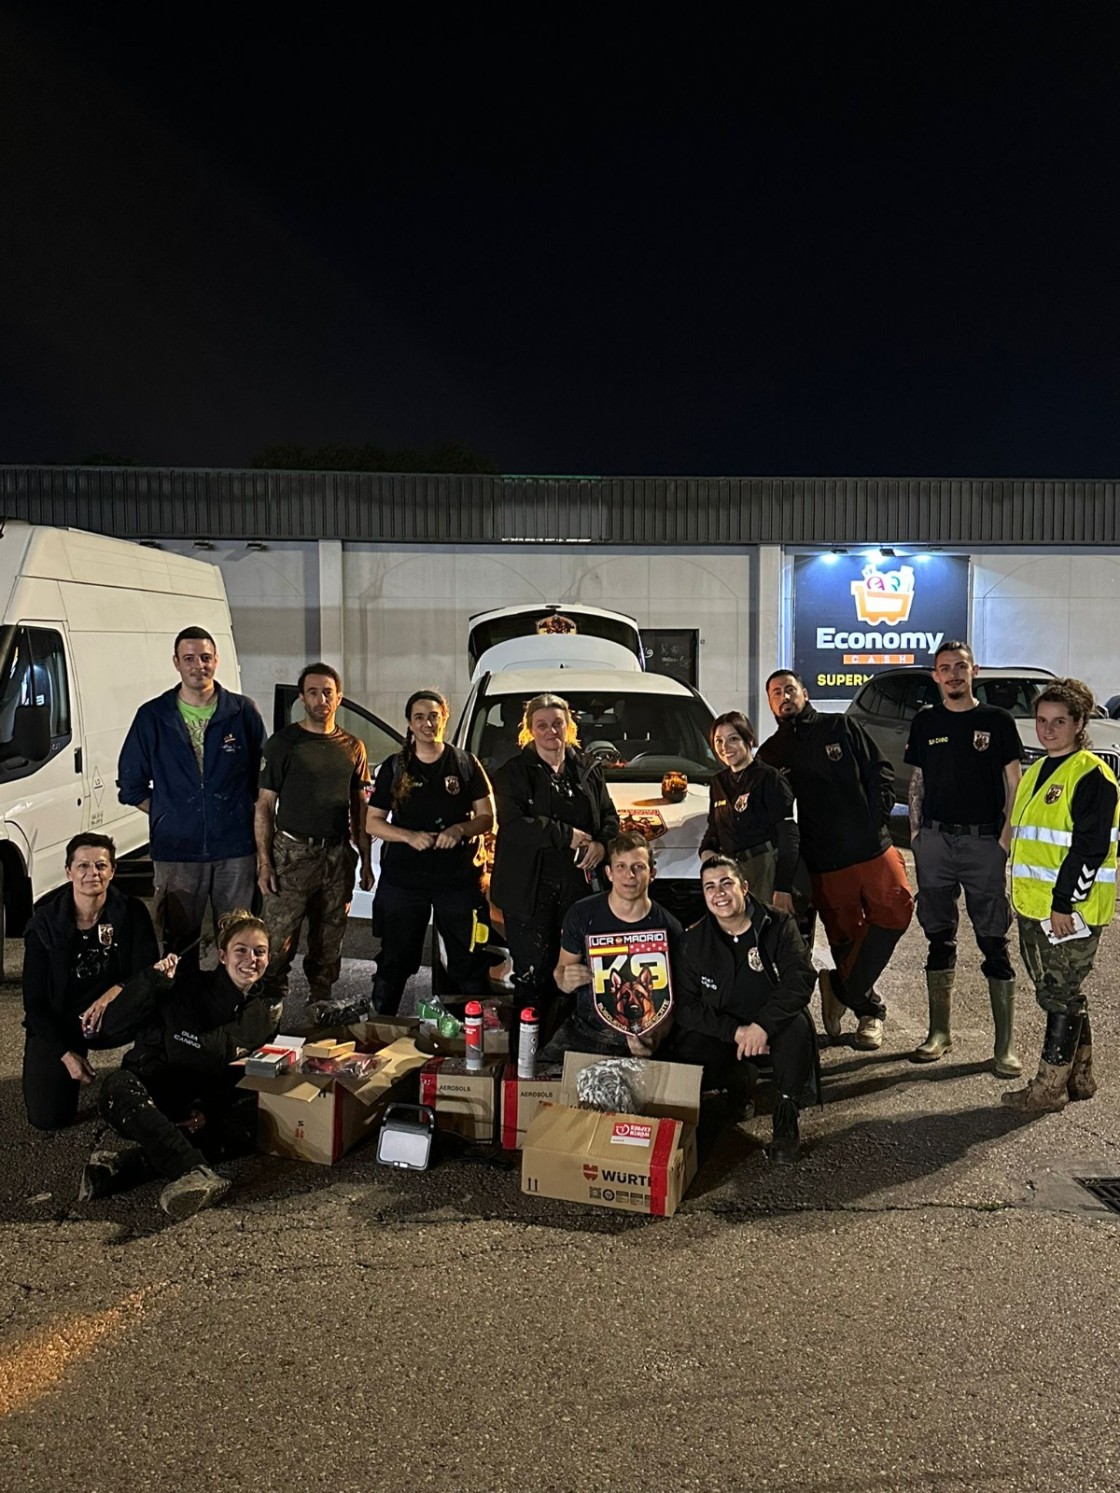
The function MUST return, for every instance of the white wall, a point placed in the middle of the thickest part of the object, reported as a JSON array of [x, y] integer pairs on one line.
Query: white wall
[[407, 609], [1049, 609]]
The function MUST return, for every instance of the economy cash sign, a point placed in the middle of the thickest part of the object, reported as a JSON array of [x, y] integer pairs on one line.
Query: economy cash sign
[[854, 616]]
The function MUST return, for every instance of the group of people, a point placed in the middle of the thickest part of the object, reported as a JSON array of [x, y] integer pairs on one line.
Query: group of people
[[797, 828]]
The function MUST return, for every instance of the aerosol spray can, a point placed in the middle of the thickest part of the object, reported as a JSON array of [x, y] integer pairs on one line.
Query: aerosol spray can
[[472, 1036], [527, 1043]]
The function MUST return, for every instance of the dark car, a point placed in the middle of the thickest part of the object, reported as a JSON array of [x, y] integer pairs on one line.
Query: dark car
[[887, 704]]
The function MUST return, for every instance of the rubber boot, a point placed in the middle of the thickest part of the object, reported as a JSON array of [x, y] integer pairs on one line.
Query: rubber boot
[[1005, 1062], [939, 988], [1048, 1091], [1082, 1084]]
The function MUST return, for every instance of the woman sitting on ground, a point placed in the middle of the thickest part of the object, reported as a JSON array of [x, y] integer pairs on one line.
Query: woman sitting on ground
[[84, 941], [176, 1094]]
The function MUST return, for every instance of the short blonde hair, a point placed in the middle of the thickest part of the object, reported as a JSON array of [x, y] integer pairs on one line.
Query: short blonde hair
[[547, 702]]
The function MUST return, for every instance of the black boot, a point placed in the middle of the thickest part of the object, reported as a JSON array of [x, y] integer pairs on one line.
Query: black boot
[[785, 1148], [386, 998]]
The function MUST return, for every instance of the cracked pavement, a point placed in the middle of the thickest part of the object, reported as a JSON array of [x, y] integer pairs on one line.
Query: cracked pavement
[[927, 1301]]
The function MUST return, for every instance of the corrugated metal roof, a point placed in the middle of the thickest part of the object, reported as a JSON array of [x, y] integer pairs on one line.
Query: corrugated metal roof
[[140, 502]]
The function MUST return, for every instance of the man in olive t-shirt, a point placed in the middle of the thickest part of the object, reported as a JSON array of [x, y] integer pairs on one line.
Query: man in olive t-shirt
[[310, 808]]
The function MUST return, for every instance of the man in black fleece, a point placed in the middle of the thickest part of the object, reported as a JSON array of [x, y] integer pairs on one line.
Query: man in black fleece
[[845, 793], [743, 982]]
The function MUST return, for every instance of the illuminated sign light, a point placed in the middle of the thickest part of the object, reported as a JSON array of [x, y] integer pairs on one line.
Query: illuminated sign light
[[900, 619]]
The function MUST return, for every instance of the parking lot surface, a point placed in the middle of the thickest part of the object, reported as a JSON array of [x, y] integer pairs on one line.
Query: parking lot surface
[[927, 1301]]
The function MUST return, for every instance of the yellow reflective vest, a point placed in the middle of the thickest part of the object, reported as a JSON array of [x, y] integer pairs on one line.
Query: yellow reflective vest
[[1041, 836]]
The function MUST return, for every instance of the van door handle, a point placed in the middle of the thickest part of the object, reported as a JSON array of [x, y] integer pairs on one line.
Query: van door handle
[[77, 759]]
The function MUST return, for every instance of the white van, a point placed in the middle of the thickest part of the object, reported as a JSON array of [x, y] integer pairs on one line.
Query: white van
[[86, 636]]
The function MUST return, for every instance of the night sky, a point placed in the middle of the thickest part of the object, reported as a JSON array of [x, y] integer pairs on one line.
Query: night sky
[[861, 240]]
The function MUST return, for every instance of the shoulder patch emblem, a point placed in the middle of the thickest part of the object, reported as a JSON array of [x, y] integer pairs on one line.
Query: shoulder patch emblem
[[754, 959], [741, 803], [451, 785], [1054, 793], [981, 740], [835, 751]]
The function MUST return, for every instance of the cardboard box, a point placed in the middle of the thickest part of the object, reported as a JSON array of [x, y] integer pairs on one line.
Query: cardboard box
[[669, 1089], [635, 1163], [521, 1098], [319, 1116], [464, 1103]]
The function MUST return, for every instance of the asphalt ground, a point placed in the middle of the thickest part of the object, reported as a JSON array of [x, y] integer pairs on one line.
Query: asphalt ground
[[927, 1301]]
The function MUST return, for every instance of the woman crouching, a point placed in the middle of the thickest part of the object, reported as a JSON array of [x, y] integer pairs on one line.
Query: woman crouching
[[743, 983], [175, 1094]]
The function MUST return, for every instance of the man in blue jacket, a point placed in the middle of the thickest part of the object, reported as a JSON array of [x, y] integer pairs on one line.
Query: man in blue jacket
[[191, 761]]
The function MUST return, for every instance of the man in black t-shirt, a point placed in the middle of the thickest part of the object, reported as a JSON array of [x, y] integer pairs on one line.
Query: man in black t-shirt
[[966, 765], [310, 813], [626, 908]]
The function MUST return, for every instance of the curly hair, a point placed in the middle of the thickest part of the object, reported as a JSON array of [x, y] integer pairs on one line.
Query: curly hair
[[1076, 696]]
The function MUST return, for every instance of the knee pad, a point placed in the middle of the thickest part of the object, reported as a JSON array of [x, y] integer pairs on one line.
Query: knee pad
[[942, 954]]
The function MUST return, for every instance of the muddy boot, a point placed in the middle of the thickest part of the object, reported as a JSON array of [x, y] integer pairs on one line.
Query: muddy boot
[[939, 987], [1082, 1084], [107, 1172], [1048, 1091], [1006, 1062], [200, 1188], [832, 1007]]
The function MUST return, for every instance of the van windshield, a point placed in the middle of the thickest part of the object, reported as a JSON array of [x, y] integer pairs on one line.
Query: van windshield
[[636, 736]]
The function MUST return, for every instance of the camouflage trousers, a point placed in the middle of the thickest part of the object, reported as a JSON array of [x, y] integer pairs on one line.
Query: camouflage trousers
[[1057, 970], [316, 883]]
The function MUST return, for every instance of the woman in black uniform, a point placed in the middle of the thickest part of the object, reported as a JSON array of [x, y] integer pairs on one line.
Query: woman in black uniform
[[83, 942], [555, 821], [175, 1094], [431, 806], [750, 814]]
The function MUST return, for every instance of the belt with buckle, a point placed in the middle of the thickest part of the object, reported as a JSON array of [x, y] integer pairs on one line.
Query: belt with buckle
[[309, 840], [759, 849], [977, 831]]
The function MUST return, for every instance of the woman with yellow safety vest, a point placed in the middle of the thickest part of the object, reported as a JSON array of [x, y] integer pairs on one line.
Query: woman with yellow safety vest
[[1063, 887]]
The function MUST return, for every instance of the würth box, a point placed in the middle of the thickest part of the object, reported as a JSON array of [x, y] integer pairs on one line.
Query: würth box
[[464, 1103], [641, 1163], [636, 1163], [521, 1098], [320, 1116]]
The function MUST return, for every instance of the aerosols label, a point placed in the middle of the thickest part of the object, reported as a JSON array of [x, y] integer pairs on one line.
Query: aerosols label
[[527, 1044], [472, 1036]]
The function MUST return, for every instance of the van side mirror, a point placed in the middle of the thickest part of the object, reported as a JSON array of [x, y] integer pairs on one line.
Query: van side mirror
[[31, 733]]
